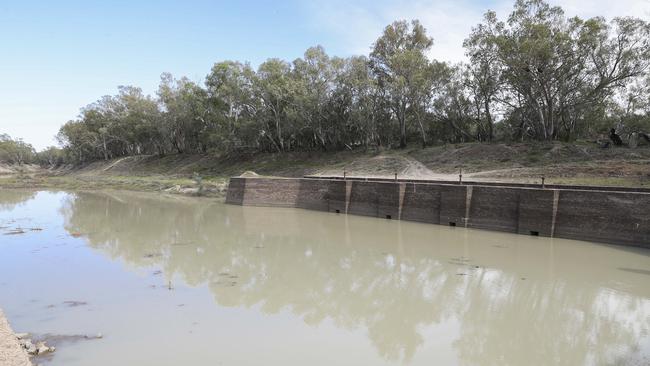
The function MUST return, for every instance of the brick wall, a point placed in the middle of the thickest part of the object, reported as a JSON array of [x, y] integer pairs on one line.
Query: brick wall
[[616, 217]]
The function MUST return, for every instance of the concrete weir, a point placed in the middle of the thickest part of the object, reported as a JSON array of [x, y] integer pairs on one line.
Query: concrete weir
[[609, 215]]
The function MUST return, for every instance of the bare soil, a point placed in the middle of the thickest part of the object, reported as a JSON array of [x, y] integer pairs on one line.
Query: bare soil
[[11, 353], [560, 163]]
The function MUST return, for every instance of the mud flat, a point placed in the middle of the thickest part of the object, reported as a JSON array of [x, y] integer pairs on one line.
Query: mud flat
[[11, 353]]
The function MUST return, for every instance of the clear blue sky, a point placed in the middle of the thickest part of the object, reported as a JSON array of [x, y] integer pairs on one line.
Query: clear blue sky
[[57, 56]]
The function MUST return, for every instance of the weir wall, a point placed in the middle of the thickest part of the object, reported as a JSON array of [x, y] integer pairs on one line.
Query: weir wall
[[610, 216]]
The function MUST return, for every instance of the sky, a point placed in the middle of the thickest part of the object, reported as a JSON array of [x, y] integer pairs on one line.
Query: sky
[[58, 56]]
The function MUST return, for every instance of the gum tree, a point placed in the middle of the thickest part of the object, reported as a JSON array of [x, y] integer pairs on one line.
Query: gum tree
[[399, 62]]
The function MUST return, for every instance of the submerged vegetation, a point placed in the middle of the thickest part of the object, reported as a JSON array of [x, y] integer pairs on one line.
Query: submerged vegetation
[[536, 75]]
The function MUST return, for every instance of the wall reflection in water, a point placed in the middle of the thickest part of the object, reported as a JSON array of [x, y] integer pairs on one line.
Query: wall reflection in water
[[514, 299]]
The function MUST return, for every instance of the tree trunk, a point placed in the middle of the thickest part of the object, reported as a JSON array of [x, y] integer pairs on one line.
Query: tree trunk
[[488, 115], [105, 149], [402, 134], [424, 135]]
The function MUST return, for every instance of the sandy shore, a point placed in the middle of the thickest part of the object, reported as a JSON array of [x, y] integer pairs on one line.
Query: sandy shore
[[11, 353]]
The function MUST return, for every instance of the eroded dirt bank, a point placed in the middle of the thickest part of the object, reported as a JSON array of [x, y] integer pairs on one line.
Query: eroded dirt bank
[[560, 163], [11, 352]]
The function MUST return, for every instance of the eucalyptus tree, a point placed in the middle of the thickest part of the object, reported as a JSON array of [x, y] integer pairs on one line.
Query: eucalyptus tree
[[453, 108], [273, 87], [556, 68], [72, 137], [101, 129], [358, 103], [484, 77], [15, 151], [51, 156], [113, 126], [132, 117], [314, 85], [231, 96], [186, 120], [399, 62], [95, 134]]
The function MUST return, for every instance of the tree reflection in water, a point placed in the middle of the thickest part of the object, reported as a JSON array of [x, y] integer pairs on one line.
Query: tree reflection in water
[[11, 198], [515, 299]]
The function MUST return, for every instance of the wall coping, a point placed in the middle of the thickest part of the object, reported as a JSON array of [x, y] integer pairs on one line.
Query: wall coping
[[550, 187]]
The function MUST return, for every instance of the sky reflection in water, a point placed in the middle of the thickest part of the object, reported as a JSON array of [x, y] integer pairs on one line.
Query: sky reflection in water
[[294, 287]]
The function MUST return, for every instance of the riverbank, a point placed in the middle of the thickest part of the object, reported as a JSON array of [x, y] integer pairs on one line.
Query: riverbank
[[11, 352], [559, 163]]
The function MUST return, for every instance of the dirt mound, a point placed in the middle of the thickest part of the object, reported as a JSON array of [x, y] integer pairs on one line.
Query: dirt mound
[[16, 169], [5, 169]]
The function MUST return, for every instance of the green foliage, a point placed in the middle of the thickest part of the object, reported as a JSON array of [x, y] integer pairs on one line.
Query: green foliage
[[15, 151], [403, 71], [50, 157], [537, 75]]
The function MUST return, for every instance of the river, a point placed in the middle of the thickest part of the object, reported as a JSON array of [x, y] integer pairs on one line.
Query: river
[[170, 280]]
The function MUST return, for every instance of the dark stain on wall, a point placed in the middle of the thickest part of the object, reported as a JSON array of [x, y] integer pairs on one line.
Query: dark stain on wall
[[312, 195], [535, 212], [494, 208], [388, 200], [363, 199], [612, 217], [453, 200], [616, 217], [236, 189], [336, 196], [421, 203]]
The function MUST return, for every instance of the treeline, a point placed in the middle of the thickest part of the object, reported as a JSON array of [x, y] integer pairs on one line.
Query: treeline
[[16, 151], [537, 75]]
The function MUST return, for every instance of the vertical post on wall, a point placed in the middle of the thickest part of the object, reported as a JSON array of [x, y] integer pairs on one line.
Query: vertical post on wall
[[344, 174], [543, 182], [460, 175], [395, 177]]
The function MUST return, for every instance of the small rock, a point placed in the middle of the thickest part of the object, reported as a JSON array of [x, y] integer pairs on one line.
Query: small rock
[[42, 348], [29, 346], [22, 335]]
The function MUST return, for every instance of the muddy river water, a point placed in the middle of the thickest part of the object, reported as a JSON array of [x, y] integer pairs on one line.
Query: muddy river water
[[187, 281]]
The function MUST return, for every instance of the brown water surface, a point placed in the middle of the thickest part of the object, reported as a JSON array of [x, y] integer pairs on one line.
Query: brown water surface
[[182, 281]]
